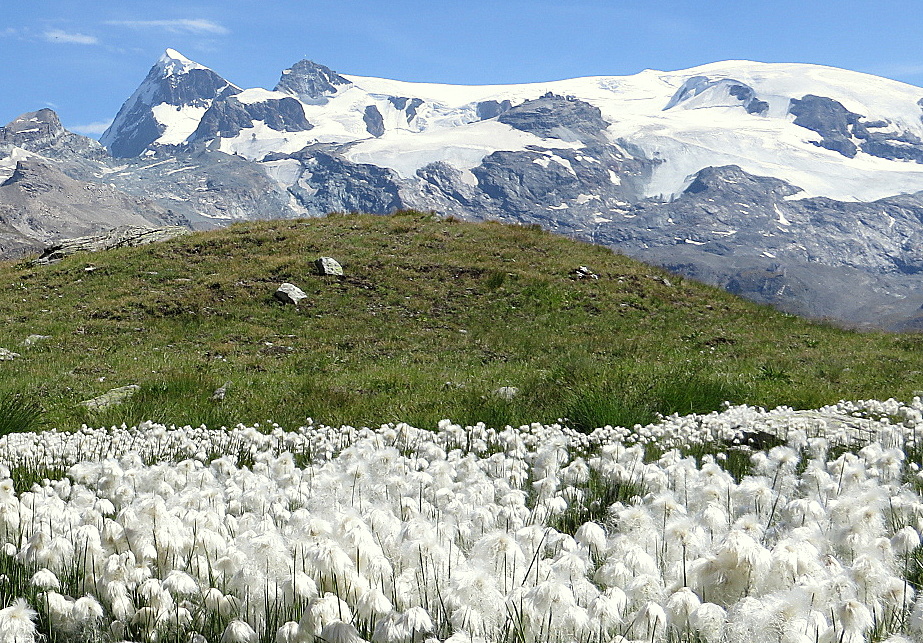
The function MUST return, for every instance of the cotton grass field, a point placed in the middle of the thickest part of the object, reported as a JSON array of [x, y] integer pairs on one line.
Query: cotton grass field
[[675, 531], [703, 522]]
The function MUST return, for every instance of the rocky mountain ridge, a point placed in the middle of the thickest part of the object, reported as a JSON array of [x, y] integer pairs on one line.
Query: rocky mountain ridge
[[788, 184]]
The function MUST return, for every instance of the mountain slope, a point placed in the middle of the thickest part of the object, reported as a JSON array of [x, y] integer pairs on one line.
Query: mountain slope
[[44, 204], [789, 183], [431, 318], [166, 107], [201, 188]]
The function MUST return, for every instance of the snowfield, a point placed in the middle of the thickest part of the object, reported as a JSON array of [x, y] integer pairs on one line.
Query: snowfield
[[684, 120], [532, 534]]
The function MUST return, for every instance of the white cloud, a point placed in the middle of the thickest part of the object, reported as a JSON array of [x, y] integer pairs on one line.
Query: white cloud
[[59, 36], [91, 129], [196, 26]]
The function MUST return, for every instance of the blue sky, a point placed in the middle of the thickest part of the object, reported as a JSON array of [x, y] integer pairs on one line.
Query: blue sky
[[84, 59]]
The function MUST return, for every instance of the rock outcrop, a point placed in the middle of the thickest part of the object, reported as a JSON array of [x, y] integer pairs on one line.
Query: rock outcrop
[[127, 236]]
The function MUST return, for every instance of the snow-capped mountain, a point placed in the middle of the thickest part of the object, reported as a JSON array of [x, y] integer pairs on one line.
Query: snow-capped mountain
[[167, 107], [778, 181], [831, 132], [82, 189]]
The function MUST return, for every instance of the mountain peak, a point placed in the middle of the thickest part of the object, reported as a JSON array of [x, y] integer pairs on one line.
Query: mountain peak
[[30, 126], [310, 81], [165, 107], [172, 62]]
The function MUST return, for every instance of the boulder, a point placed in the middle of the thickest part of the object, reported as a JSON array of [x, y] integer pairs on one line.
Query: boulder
[[119, 237], [289, 294], [328, 266], [110, 398]]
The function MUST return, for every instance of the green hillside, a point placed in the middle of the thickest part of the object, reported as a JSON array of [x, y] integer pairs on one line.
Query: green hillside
[[431, 318]]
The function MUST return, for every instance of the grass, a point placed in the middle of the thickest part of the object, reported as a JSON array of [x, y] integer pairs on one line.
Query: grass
[[19, 412], [431, 318]]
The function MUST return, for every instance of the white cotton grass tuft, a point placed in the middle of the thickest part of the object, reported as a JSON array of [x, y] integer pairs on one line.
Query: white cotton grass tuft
[[417, 621], [17, 623], [59, 609], [87, 611], [607, 609], [592, 536], [681, 607], [708, 621], [372, 605], [238, 631], [340, 632], [179, 583], [905, 540], [299, 587], [389, 630], [287, 633], [324, 610], [45, 579], [854, 618]]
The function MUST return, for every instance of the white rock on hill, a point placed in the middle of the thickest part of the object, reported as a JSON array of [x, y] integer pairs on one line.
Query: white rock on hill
[[289, 294]]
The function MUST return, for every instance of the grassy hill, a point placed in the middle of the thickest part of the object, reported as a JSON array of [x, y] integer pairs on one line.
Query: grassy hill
[[432, 317]]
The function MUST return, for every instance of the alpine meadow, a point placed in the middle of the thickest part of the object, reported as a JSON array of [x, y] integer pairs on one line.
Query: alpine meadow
[[343, 358], [501, 500]]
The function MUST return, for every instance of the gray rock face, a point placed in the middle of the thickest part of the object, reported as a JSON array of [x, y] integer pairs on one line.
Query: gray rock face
[[135, 126], [846, 132], [118, 238], [565, 185], [289, 294], [205, 188], [330, 183], [904, 146], [32, 127], [828, 118], [407, 105], [747, 96], [228, 116], [491, 108], [718, 91], [41, 132], [740, 232], [554, 116], [191, 187], [310, 82], [374, 121], [444, 182]]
